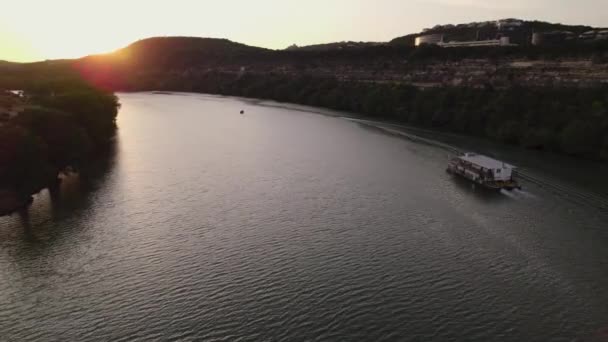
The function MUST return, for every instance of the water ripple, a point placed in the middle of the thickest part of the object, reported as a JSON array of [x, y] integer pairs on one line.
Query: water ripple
[[285, 226]]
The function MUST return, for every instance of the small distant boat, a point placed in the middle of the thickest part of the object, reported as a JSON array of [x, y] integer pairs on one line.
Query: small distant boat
[[242, 112], [488, 172]]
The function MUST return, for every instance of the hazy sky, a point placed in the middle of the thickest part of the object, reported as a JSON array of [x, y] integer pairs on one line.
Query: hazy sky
[[49, 29]]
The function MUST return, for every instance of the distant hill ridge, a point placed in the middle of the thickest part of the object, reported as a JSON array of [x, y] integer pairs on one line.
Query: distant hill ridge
[[196, 43], [183, 50], [334, 46], [186, 50]]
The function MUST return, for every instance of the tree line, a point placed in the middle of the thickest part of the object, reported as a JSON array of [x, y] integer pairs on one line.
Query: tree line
[[63, 125]]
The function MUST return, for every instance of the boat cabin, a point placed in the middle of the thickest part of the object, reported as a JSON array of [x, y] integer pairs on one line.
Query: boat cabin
[[487, 167]]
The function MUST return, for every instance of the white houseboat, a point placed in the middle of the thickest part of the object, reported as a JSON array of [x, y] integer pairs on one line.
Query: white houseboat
[[485, 171]]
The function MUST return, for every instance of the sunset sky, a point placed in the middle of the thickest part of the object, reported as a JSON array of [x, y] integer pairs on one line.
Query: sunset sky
[[39, 29]]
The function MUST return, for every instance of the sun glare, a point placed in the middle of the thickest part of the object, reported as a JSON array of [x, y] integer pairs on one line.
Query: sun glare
[[37, 30]]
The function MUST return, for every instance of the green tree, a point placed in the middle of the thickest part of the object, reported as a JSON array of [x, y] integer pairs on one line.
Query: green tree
[[599, 109], [538, 138], [578, 138], [604, 151], [23, 164], [67, 143], [510, 132], [93, 110]]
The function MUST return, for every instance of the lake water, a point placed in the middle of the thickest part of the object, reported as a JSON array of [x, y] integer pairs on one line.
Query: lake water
[[280, 225]]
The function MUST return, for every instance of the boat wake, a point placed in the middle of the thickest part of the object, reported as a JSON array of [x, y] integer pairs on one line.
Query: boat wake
[[509, 194], [525, 194], [557, 187], [565, 191]]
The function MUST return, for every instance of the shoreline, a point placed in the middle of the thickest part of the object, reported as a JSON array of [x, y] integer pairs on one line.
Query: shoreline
[[10, 203], [412, 129], [59, 132], [533, 164]]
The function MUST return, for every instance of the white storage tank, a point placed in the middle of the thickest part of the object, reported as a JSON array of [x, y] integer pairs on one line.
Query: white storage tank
[[430, 39]]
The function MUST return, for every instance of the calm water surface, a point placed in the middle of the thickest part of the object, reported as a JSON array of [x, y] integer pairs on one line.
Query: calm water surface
[[284, 225]]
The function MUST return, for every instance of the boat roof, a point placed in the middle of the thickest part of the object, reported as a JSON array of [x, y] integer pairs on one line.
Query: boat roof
[[484, 161]]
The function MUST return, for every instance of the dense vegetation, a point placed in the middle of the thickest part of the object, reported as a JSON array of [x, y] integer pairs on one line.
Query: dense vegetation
[[64, 125]]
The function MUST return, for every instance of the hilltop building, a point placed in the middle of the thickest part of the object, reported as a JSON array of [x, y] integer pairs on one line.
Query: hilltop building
[[504, 41], [509, 24], [594, 35], [438, 39], [429, 39], [519, 32]]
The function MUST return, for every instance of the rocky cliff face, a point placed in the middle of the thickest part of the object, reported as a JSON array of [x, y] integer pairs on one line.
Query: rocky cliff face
[[581, 73], [480, 72]]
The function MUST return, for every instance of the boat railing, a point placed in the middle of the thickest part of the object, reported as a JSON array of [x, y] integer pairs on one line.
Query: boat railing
[[484, 174]]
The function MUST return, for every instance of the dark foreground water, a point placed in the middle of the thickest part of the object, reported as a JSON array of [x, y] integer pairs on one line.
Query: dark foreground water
[[281, 225]]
